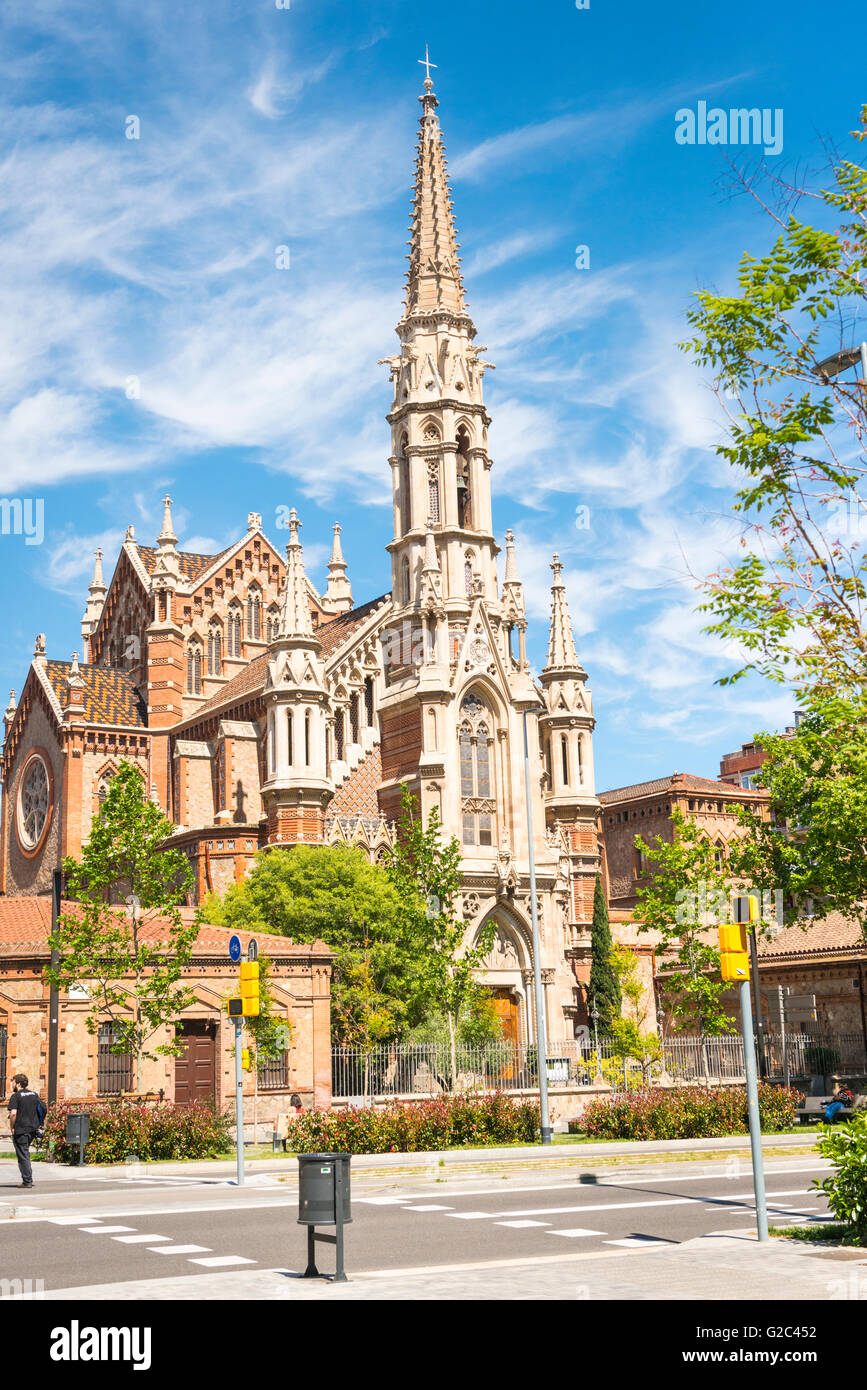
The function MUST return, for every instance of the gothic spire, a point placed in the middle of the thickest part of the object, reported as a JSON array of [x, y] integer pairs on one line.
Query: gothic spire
[[295, 618], [513, 589], [431, 574], [338, 594], [562, 656], [434, 277], [167, 535], [95, 600]]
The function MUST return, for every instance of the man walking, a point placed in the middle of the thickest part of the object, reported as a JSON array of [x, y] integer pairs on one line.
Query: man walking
[[26, 1112]]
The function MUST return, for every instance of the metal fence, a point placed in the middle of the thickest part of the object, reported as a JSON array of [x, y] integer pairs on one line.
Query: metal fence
[[427, 1070], [113, 1069], [3, 1036], [274, 1074]]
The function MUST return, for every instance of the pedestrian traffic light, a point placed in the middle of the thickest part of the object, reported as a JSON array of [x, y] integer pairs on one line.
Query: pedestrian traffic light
[[250, 988], [245, 1058], [236, 1006], [733, 960]]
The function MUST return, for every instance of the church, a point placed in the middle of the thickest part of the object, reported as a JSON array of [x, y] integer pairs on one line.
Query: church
[[264, 714]]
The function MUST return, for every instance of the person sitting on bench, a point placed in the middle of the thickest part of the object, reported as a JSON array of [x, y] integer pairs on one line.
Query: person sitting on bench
[[841, 1100]]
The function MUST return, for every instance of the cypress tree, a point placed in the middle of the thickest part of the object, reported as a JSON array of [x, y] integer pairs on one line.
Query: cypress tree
[[604, 984]]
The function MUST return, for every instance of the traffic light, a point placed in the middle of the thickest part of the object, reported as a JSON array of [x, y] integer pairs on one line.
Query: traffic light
[[245, 1058], [733, 960], [236, 1007], [250, 988]]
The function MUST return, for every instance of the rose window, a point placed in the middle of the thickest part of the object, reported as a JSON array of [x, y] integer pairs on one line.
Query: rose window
[[33, 804]]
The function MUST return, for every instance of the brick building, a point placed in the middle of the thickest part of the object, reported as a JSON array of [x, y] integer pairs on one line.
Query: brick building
[[301, 989], [264, 714]]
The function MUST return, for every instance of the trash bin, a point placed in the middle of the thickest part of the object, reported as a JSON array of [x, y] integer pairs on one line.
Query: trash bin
[[78, 1131], [323, 1189]]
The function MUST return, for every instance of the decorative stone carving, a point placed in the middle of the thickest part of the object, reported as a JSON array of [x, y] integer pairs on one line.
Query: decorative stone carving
[[503, 954]]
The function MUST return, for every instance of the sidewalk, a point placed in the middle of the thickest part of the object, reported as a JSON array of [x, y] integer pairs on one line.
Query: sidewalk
[[729, 1266], [440, 1164]]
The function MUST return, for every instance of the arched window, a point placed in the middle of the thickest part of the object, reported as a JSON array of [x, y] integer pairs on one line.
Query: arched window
[[465, 509], [564, 753], [433, 491], [719, 855], [215, 650], [290, 735], [368, 701], [478, 802], [353, 717], [103, 788], [194, 668], [307, 718], [272, 624], [254, 615], [468, 573], [338, 734], [234, 632], [407, 587], [404, 498]]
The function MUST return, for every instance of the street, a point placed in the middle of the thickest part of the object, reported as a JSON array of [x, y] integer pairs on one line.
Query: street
[[82, 1230]]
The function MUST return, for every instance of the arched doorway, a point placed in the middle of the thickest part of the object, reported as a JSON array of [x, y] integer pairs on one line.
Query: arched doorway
[[504, 973]]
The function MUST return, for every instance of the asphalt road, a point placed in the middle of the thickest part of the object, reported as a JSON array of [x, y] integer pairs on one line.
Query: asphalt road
[[155, 1229]]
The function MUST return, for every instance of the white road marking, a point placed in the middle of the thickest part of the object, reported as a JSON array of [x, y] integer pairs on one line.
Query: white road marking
[[482, 1215], [520, 1225], [383, 1201], [105, 1230], [575, 1231], [138, 1239], [640, 1242], [180, 1249], [75, 1220], [431, 1206], [212, 1261], [638, 1206]]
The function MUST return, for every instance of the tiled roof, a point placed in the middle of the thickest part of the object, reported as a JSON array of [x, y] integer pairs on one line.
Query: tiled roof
[[110, 696], [677, 781], [247, 682], [192, 566], [26, 923], [357, 796], [332, 635], [834, 933]]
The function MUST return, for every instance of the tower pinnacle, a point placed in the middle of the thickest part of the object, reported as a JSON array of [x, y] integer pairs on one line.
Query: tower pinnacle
[[562, 656], [434, 278], [338, 594], [295, 621]]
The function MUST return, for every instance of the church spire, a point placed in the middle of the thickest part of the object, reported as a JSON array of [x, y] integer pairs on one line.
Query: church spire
[[434, 278], [295, 621], [95, 601], [562, 656], [338, 594]]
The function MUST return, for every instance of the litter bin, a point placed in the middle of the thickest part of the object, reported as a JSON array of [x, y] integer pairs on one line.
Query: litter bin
[[324, 1200], [323, 1189], [78, 1132]]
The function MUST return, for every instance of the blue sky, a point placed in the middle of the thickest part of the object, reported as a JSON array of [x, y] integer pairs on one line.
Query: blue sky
[[149, 343]]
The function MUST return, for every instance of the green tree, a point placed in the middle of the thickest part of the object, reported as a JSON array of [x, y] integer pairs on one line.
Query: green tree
[[631, 1036], [795, 601], [425, 870], [817, 847], [134, 975], [605, 986], [333, 894], [688, 893]]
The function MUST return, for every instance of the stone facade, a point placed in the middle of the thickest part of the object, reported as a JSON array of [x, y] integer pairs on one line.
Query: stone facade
[[264, 714]]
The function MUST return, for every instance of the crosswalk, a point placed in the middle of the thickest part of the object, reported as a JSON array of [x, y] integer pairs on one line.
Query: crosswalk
[[542, 1219], [153, 1242]]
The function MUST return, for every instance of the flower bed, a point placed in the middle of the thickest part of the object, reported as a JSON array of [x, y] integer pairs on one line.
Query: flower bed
[[689, 1112], [121, 1128], [445, 1122]]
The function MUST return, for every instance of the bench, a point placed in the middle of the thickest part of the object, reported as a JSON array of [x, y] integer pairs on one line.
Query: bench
[[812, 1109]]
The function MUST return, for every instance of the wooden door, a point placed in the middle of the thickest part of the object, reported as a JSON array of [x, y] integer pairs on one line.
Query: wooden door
[[507, 1012], [196, 1067]]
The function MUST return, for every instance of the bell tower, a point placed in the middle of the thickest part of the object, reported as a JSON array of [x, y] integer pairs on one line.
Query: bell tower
[[439, 424]]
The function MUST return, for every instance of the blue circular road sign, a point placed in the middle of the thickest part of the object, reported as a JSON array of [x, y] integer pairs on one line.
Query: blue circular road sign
[[235, 948]]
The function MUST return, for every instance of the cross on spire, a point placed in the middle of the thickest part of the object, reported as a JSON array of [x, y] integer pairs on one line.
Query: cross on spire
[[427, 65]]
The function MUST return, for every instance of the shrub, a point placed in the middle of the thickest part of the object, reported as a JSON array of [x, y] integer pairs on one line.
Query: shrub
[[119, 1128], [820, 1060], [846, 1189], [689, 1112], [443, 1123]]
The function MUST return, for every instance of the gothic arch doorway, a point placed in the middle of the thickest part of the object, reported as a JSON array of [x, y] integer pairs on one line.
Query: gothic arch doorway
[[504, 974]]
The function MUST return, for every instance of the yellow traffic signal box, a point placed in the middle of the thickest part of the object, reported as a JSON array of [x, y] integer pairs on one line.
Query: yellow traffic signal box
[[250, 988], [734, 961], [245, 1058]]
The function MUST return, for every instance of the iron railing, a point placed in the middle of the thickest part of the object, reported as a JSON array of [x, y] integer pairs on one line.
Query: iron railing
[[3, 1037], [113, 1069], [427, 1070], [274, 1074]]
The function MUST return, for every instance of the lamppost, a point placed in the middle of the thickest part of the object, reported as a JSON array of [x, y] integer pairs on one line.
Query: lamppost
[[594, 1014], [839, 361], [541, 1034]]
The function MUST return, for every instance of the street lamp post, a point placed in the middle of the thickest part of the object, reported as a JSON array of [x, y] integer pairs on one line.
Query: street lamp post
[[541, 1033]]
